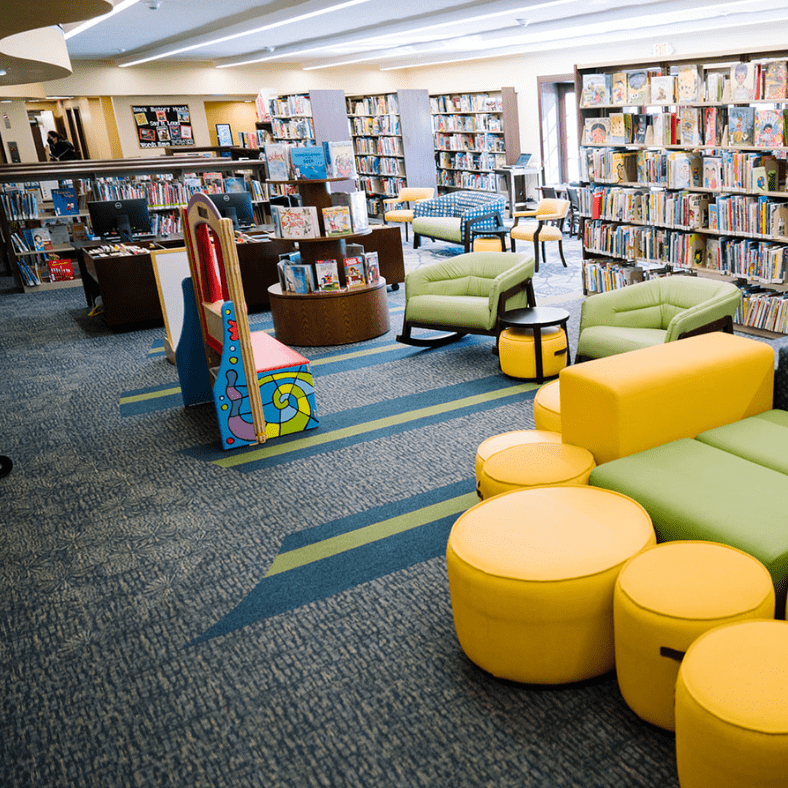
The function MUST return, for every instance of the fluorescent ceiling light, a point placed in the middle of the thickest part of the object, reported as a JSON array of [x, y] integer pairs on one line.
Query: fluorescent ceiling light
[[122, 6], [282, 23]]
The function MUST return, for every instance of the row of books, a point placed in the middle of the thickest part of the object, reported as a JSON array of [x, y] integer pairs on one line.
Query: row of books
[[758, 261], [599, 276], [488, 123], [468, 180], [359, 269], [291, 105], [300, 129], [374, 165], [472, 161], [468, 142], [44, 239], [297, 222], [310, 162], [467, 102], [372, 127], [45, 269], [388, 187], [253, 139], [764, 309], [381, 146], [374, 105], [688, 83]]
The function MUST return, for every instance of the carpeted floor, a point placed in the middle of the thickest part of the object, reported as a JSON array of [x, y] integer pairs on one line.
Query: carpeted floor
[[167, 620]]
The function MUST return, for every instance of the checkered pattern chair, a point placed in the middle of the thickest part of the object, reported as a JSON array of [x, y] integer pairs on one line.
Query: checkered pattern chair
[[457, 217]]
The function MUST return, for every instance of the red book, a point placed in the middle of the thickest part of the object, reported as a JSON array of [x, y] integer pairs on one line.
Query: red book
[[60, 270]]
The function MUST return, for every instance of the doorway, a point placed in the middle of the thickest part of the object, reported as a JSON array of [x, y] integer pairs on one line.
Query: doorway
[[558, 129]]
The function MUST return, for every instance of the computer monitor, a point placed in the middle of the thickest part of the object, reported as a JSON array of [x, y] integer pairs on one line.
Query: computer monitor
[[236, 206], [522, 160], [120, 218]]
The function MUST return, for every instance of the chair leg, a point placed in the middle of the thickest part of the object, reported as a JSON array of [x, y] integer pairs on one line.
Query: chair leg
[[561, 252], [511, 238], [406, 232], [544, 251], [536, 257], [416, 240]]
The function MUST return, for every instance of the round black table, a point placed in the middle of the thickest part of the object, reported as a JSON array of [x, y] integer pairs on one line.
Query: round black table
[[537, 318]]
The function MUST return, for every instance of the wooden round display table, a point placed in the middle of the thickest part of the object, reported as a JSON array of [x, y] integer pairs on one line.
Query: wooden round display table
[[334, 318]]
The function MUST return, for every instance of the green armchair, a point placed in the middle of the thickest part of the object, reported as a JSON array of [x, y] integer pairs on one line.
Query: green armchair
[[653, 312], [465, 295]]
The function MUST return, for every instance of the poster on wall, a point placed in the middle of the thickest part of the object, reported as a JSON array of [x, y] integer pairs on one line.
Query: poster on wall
[[162, 126]]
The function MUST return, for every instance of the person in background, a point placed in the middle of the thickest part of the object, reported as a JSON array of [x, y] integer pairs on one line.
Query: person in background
[[60, 149]]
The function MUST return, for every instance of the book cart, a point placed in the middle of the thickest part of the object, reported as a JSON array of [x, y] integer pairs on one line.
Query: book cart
[[474, 134], [392, 139], [684, 171], [327, 318]]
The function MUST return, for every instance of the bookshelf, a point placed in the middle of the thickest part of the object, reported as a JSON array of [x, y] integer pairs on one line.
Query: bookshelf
[[392, 138], [684, 170], [474, 134]]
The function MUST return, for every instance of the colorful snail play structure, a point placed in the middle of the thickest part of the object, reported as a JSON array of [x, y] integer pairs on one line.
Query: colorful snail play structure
[[219, 358]]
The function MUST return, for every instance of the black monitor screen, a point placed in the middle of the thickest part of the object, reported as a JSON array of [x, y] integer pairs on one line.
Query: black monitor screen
[[120, 218], [236, 206]]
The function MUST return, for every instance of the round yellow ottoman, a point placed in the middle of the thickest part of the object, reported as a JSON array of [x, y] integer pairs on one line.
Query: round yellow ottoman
[[531, 576], [547, 408], [534, 465], [732, 708], [506, 440], [664, 599], [517, 356]]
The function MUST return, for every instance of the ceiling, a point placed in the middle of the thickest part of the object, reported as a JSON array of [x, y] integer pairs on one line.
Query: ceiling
[[385, 34]]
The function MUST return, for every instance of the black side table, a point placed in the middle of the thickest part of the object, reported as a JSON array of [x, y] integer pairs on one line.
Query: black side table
[[536, 318]]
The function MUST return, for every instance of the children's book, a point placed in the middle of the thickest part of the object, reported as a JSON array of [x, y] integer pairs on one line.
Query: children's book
[[327, 275], [715, 85], [41, 240], [741, 125], [308, 163], [769, 128], [712, 172], [689, 125], [637, 88], [64, 201], [711, 130], [58, 234], [298, 278], [596, 90], [277, 157], [620, 128], [354, 272], [234, 185], [663, 90], [336, 220], [775, 80], [372, 268], [60, 270], [641, 128], [684, 170], [743, 82], [689, 84], [618, 89], [596, 131], [297, 222], [340, 159]]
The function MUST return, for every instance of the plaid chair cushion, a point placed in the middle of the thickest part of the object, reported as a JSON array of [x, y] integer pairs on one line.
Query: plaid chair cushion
[[463, 205]]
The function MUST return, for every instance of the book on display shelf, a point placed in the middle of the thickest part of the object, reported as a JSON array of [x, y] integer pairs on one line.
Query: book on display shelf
[[336, 220], [61, 270], [340, 159], [775, 80], [618, 88], [596, 90], [308, 163], [741, 125], [277, 157], [372, 267], [327, 275], [298, 278], [663, 90], [638, 92], [769, 128], [296, 222], [354, 272], [689, 84]]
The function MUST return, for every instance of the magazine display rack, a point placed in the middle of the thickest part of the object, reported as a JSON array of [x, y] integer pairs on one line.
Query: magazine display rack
[[685, 170]]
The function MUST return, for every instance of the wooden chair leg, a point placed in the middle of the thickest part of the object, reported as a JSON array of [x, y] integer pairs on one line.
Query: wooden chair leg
[[536, 257], [406, 232], [561, 252], [511, 238]]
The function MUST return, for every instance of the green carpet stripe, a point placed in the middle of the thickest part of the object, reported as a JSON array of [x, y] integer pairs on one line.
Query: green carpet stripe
[[372, 533], [150, 395], [317, 439], [357, 354]]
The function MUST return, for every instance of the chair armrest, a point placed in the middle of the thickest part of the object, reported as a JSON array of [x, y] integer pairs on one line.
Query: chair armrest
[[514, 278], [390, 201], [485, 217], [702, 315]]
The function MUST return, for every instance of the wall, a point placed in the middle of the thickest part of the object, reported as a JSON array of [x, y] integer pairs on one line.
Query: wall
[[241, 115]]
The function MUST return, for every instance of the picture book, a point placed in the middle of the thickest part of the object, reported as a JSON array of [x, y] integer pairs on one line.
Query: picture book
[[61, 270], [336, 220], [637, 88], [742, 82], [296, 222], [234, 185], [618, 89], [64, 201], [620, 128], [596, 131], [354, 272], [712, 172], [741, 125], [340, 159], [715, 85], [298, 278], [689, 84], [769, 128], [689, 125], [41, 240], [663, 90], [641, 128], [759, 182], [684, 170], [372, 267], [713, 218], [277, 157], [308, 163], [712, 130], [327, 275], [596, 90], [775, 80]]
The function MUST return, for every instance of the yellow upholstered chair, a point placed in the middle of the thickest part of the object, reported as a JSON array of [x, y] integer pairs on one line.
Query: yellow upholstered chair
[[549, 215], [406, 197]]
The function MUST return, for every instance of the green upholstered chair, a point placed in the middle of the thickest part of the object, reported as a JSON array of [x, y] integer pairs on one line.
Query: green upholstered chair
[[653, 312], [465, 295]]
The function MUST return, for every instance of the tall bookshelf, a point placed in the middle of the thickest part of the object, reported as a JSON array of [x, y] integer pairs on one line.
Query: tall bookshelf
[[671, 185], [474, 134], [392, 138]]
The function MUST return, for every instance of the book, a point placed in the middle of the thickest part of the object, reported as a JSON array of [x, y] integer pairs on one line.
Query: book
[[641, 128], [296, 222], [277, 158], [64, 201], [596, 90], [358, 211], [618, 89], [596, 131], [711, 128], [41, 240], [775, 80], [689, 84], [663, 90], [715, 85], [372, 268], [308, 163], [759, 181], [234, 185], [638, 88], [769, 128], [712, 172], [741, 125], [327, 275], [684, 170], [340, 159], [336, 220], [60, 270], [354, 272], [742, 82], [58, 234], [298, 278], [689, 125], [620, 128]]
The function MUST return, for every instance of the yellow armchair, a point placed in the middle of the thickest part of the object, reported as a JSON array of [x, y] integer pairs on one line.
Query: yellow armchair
[[549, 215], [407, 196]]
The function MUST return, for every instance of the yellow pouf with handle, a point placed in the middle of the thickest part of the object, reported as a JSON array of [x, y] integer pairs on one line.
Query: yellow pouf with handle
[[547, 407], [534, 465], [506, 440], [531, 577], [518, 359], [667, 597], [732, 708]]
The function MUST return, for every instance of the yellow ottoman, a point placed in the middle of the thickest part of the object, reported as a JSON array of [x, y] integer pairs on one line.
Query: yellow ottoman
[[488, 245], [517, 357], [732, 708], [534, 465], [506, 440], [547, 408], [664, 599], [531, 576]]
